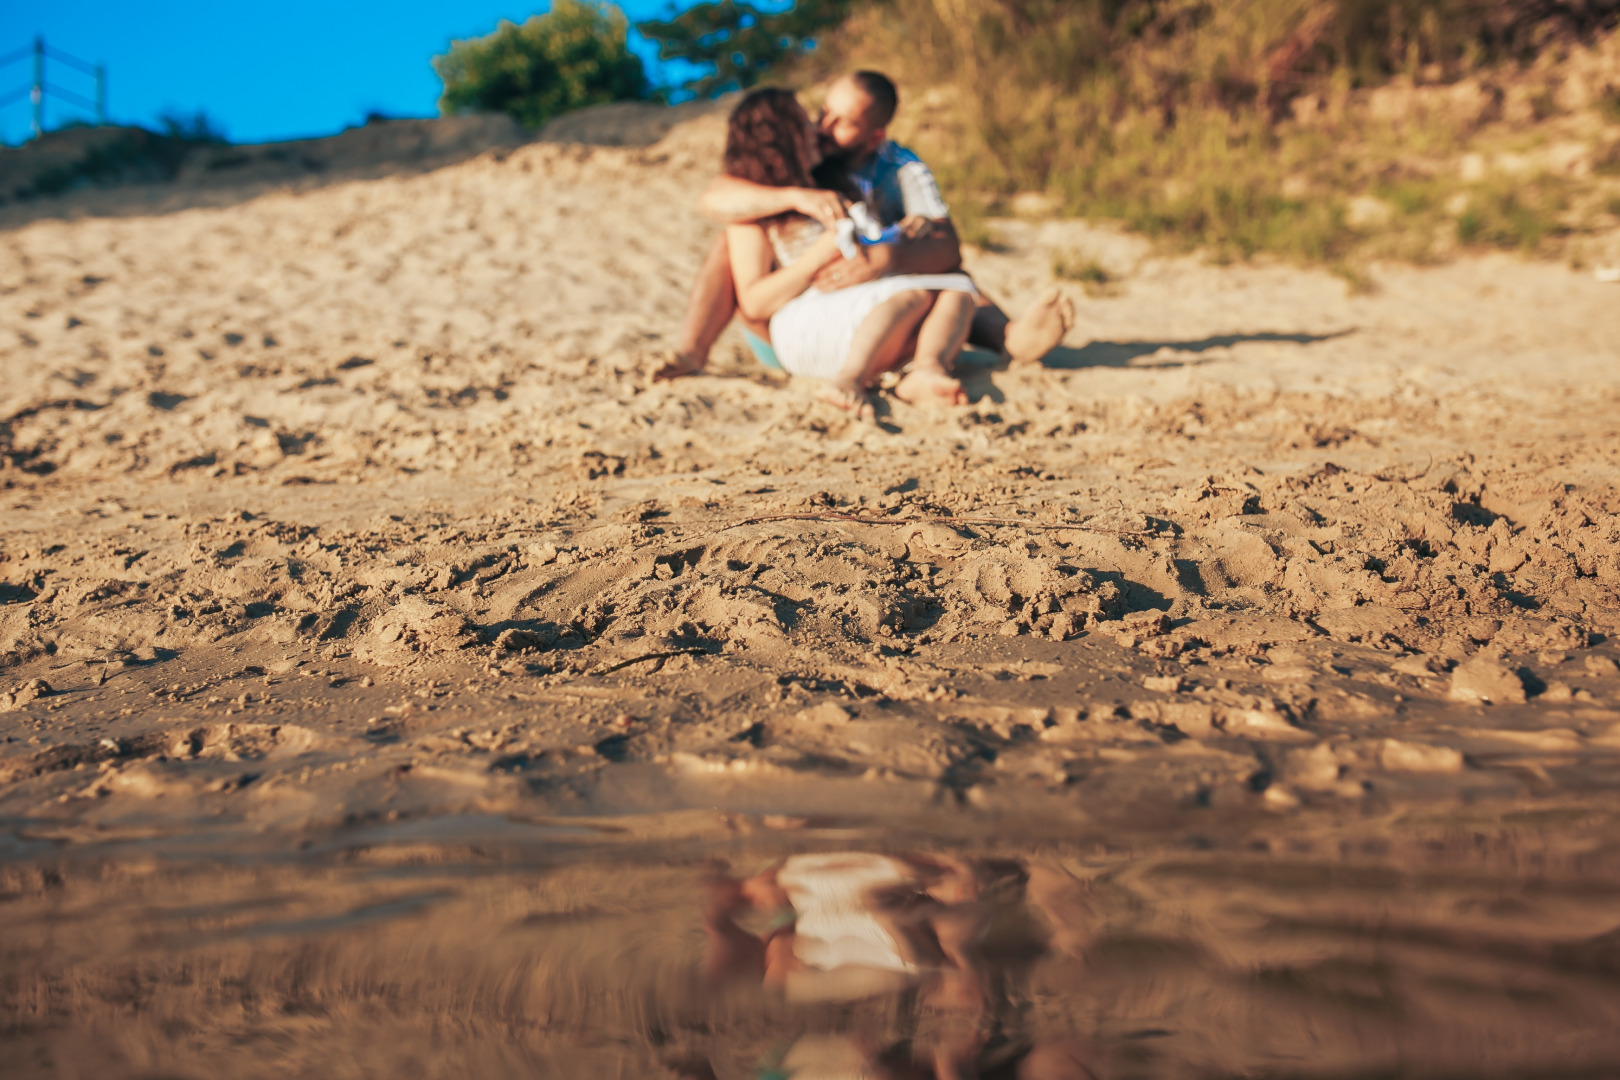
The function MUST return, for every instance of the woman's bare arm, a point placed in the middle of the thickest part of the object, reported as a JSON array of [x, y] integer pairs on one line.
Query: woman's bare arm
[[762, 292], [731, 200]]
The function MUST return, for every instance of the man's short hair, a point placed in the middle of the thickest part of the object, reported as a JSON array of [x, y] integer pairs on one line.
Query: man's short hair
[[885, 98]]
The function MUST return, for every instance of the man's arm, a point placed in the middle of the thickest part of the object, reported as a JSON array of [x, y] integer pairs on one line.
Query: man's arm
[[928, 241], [730, 200], [925, 247]]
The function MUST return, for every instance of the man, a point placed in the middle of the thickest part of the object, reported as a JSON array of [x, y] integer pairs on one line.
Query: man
[[898, 189]]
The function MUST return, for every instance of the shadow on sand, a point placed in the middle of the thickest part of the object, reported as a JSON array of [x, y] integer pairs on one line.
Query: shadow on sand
[[1118, 354], [978, 367]]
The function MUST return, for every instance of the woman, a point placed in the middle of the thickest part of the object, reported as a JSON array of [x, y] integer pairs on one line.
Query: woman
[[850, 336]]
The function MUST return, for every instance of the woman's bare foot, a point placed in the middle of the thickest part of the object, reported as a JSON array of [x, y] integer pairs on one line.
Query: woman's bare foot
[[927, 387], [1040, 328], [676, 365], [849, 396]]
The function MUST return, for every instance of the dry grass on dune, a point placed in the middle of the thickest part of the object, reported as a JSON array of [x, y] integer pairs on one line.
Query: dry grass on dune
[[1321, 132]]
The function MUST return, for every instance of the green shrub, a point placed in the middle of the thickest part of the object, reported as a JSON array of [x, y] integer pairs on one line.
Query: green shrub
[[1514, 216], [132, 155], [1607, 162], [740, 41], [198, 129], [1092, 275], [572, 56]]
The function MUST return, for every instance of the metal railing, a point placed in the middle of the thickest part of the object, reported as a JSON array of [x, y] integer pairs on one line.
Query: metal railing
[[35, 91]]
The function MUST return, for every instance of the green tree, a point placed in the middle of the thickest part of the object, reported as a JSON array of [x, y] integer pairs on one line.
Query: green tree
[[574, 55], [740, 41]]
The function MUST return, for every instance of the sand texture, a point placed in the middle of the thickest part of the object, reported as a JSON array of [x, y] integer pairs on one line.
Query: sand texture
[[392, 678], [349, 501]]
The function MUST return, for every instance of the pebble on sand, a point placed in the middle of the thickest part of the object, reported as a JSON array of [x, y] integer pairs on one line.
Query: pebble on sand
[[1485, 679], [1397, 756]]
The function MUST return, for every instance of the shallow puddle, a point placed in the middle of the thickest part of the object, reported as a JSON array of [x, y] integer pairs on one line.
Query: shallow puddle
[[1446, 942]]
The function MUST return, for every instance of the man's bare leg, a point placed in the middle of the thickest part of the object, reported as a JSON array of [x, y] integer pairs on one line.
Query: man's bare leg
[[989, 330], [939, 342], [712, 303], [876, 348], [1032, 335]]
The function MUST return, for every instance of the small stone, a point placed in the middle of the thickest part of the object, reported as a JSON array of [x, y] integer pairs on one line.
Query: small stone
[[1195, 719], [1602, 666], [1368, 212], [1268, 724], [1316, 769], [30, 691], [1419, 665], [1148, 623], [1397, 756], [1485, 679], [1278, 797], [1160, 648], [518, 640], [1164, 684]]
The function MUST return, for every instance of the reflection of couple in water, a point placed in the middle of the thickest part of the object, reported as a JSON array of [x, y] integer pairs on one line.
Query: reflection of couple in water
[[840, 258], [852, 925]]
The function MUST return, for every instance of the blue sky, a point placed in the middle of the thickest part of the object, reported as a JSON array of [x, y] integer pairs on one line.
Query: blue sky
[[261, 71]]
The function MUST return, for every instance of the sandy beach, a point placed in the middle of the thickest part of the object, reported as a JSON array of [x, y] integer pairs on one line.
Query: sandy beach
[[349, 505]]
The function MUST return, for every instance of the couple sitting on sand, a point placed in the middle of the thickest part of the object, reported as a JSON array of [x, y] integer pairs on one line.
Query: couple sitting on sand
[[840, 257]]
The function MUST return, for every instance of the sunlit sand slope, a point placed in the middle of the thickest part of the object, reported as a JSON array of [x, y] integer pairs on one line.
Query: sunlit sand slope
[[364, 484]]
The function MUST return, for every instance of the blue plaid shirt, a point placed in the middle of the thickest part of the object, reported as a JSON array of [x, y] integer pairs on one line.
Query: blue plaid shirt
[[895, 184]]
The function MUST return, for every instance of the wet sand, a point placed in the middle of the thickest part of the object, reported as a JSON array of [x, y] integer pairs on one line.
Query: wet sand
[[337, 513]]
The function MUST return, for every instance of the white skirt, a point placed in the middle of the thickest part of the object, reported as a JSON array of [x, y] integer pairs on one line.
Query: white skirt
[[812, 334]]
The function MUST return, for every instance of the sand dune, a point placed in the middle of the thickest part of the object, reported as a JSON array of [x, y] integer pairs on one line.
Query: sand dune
[[352, 499]]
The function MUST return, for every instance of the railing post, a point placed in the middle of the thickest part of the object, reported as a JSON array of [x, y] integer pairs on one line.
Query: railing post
[[101, 95], [38, 94]]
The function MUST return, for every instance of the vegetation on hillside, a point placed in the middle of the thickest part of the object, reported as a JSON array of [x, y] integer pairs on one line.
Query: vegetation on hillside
[[740, 43], [123, 155], [574, 55], [1315, 129]]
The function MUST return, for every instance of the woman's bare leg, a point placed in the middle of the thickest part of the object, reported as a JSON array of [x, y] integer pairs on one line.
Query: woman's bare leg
[[709, 308], [876, 348], [939, 341]]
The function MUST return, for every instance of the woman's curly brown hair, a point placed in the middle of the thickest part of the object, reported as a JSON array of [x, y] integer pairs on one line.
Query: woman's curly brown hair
[[765, 140]]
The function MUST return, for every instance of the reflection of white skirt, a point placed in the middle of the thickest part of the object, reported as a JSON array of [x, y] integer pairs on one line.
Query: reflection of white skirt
[[813, 333]]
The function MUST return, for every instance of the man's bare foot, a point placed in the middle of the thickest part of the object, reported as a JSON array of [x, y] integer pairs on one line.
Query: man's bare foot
[[926, 387], [1040, 328], [677, 364], [849, 397]]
